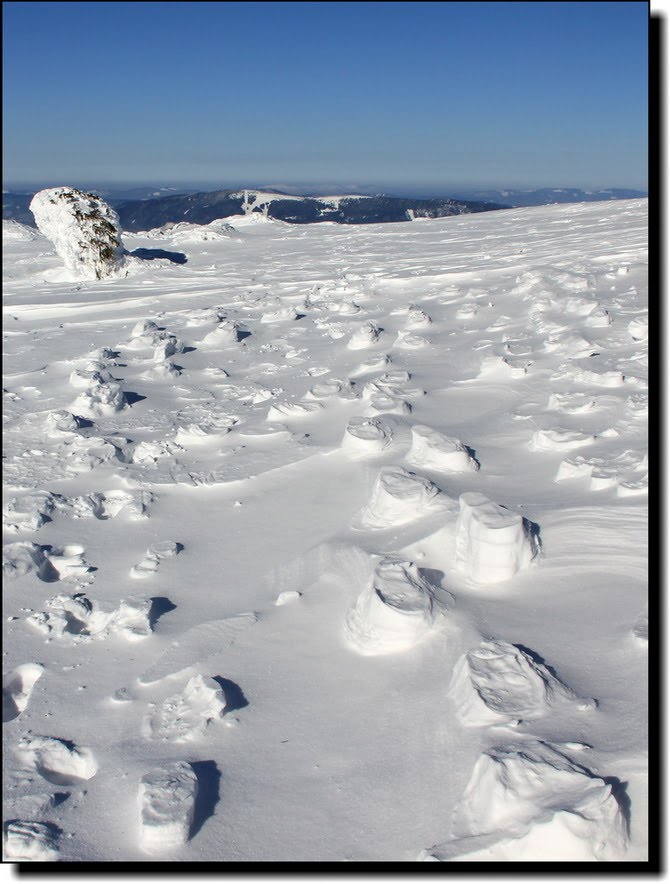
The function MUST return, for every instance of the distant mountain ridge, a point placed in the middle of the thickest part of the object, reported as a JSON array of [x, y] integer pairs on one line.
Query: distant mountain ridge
[[547, 196], [202, 208], [151, 208]]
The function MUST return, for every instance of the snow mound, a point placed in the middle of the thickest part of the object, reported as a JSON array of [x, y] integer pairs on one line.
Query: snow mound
[[559, 439], [85, 231], [434, 450], [185, 716], [28, 512], [395, 610], [366, 436], [532, 802], [19, 559], [226, 334], [367, 335], [499, 682], [59, 761], [78, 618], [398, 496], [638, 328], [492, 543], [28, 841], [167, 805], [17, 687]]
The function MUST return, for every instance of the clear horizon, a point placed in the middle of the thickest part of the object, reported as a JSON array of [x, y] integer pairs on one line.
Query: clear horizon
[[420, 96]]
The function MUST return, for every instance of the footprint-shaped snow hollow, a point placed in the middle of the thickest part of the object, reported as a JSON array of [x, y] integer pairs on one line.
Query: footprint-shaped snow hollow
[[17, 687], [398, 496], [167, 805], [498, 682], [532, 802], [436, 451], [58, 761], [492, 542], [185, 716], [366, 436], [394, 611]]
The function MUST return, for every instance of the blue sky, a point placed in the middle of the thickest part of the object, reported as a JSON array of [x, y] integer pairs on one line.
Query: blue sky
[[407, 94]]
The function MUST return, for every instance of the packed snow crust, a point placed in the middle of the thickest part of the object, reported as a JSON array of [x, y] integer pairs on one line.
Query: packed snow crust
[[329, 543]]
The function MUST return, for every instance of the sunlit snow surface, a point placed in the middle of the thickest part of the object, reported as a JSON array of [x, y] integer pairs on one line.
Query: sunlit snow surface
[[188, 445]]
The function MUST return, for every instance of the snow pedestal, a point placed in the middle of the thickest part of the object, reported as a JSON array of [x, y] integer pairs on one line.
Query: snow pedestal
[[434, 450], [394, 611], [398, 496], [365, 436], [532, 802], [498, 682], [84, 230], [492, 543]]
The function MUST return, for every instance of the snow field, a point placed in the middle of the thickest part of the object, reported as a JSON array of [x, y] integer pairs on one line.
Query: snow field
[[339, 659]]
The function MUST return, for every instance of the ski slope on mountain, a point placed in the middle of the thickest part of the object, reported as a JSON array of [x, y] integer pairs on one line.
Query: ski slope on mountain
[[328, 543]]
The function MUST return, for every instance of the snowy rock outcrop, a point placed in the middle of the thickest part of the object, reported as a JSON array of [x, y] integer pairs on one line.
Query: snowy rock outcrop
[[84, 230]]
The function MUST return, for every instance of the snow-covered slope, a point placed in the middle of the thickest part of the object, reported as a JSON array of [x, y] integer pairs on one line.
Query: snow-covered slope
[[329, 543]]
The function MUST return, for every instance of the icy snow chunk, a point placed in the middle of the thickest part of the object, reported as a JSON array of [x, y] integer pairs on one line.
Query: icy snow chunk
[[498, 682], [283, 410], [84, 230], [417, 318], [395, 610], [59, 761], [492, 543], [434, 450], [398, 496], [365, 436], [99, 400], [283, 313], [78, 618], [28, 841], [19, 559], [17, 687], [599, 317], [167, 804], [185, 716], [638, 329], [28, 512], [226, 334], [574, 468], [382, 403], [559, 439], [144, 328], [61, 422], [531, 801], [365, 336], [288, 596]]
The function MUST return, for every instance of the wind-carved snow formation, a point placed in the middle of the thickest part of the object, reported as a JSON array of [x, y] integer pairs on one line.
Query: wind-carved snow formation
[[84, 230], [492, 543], [532, 802], [497, 682], [394, 611]]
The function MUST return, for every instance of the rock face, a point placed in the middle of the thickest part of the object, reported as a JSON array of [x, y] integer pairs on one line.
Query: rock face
[[84, 230]]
